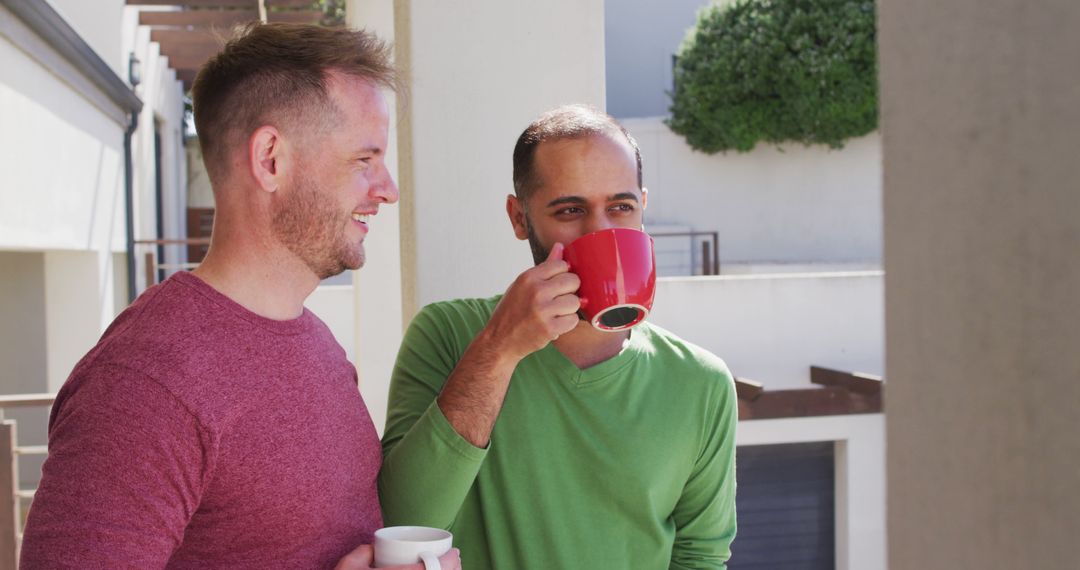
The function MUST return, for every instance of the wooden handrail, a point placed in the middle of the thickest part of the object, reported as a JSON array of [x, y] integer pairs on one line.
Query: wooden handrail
[[26, 400], [186, 241]]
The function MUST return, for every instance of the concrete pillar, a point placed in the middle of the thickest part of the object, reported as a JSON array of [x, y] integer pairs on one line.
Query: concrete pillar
[[981, 111], [480, 72]]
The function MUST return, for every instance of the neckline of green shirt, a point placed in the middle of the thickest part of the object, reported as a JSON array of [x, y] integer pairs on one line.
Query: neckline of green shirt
[[556, 363]]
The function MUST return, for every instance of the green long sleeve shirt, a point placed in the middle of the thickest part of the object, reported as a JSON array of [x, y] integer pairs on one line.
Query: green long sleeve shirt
[[627, 464]]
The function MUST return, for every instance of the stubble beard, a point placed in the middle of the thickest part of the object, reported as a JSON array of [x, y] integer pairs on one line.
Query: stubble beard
[[539, 252], [309, 227]]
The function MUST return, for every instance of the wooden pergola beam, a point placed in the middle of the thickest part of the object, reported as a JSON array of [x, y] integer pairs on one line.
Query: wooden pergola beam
[[252, 4], [747, 389], [187, 60], [811, 402], [201, 40], [196, 39], [224, 18], [187, 76], [854, 381]]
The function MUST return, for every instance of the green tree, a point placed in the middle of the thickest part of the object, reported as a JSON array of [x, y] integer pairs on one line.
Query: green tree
[[776, 71]]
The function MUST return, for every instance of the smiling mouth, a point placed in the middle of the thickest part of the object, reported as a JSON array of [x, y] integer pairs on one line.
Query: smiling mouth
[[362, 218]]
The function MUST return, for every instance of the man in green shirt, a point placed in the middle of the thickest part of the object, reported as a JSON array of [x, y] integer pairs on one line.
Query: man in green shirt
[[611, 450]]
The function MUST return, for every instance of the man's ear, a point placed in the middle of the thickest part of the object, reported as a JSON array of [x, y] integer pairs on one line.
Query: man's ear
[[264, 158], [516, 211], [644, 197]]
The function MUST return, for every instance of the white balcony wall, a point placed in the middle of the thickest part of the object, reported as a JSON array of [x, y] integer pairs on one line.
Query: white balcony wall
[[61, 163], [792, 205], [772, 328]]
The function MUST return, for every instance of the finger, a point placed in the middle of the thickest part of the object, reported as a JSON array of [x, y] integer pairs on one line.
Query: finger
[[565, 323], [451, 560], [553, 265], [563, 283], [565, 305], [358, 559]]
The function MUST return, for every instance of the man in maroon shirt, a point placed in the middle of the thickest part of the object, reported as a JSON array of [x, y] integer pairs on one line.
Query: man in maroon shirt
[[217, 423]]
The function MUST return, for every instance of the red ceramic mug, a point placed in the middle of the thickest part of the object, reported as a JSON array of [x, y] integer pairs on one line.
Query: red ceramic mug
[[617, 268]]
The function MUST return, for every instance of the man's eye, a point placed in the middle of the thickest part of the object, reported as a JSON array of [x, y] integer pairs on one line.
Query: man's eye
[[623, 207], [569, 211]]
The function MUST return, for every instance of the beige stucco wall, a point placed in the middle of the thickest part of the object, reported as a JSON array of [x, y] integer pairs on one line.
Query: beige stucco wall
[[982, 256]]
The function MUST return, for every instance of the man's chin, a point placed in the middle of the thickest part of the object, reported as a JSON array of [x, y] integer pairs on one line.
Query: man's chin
[[345, 263]]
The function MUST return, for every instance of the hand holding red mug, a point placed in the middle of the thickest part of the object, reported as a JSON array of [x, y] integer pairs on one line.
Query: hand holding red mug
[[539, 306], [617, 269]]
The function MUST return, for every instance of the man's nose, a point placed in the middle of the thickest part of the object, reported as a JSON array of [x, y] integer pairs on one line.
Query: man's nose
[[384, 189], [599, 221]]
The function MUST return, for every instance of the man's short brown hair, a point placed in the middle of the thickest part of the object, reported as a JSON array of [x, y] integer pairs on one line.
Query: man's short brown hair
[[276, 74], [566, 122]]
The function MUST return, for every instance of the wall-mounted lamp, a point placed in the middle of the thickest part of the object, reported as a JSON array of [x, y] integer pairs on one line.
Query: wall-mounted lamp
[[134, 70]]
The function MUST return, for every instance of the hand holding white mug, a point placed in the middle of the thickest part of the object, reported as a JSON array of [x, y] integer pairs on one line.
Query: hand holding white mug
[[363, 558]]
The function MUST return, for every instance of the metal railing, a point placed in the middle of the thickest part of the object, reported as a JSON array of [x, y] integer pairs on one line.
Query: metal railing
[[11, 495], [710, 248], [153, 268]]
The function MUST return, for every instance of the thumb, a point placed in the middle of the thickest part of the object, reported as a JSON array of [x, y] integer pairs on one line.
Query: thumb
[[556, 252], [359, 559]]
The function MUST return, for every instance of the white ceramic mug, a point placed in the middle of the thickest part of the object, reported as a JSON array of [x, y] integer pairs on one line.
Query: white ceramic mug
[[411, 544]]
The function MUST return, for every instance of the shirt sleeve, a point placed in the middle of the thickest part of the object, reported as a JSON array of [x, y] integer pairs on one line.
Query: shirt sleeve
[[124, 474], [428, 468], [705, 513]]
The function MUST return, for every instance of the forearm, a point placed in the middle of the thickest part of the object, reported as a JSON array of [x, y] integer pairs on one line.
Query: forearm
[[427, 473], [475, 390]]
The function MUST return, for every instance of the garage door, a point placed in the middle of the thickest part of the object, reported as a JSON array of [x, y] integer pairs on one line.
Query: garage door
[[786, 508]]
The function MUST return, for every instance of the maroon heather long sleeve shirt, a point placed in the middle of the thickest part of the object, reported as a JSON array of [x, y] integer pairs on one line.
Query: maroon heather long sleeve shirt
[[197, 434]]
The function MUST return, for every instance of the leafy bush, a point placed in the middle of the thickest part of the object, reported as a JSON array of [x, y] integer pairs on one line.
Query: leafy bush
[[777, 70]]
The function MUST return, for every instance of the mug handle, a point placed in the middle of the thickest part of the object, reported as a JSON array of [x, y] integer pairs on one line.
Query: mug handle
[[431, 562]]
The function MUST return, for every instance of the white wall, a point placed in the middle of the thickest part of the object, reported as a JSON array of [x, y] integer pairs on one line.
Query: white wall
[[860, 478], [639, 40], [772, 328], [97, 22], [61, 163], [795, 205], [481, 71]]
